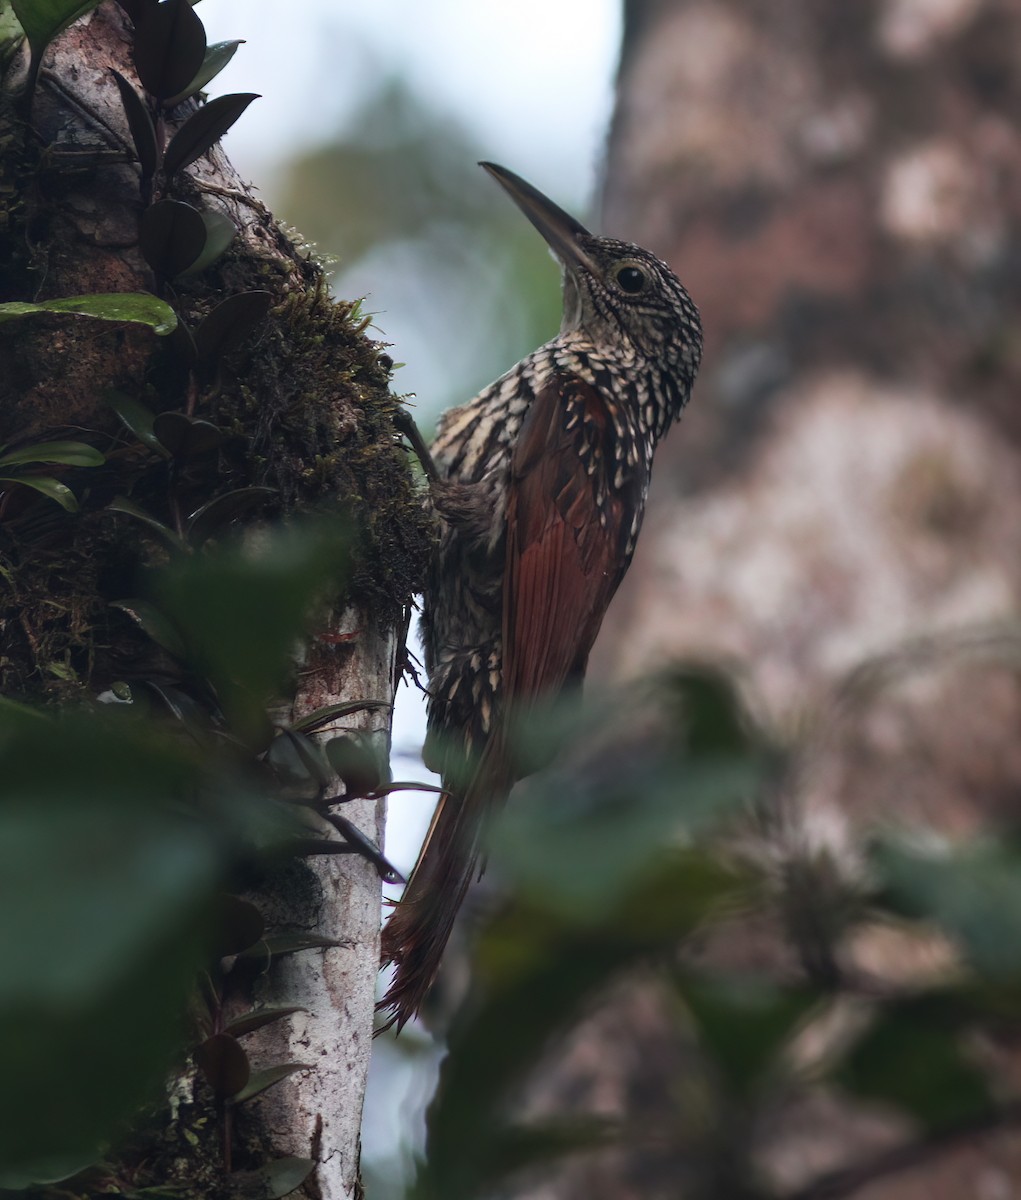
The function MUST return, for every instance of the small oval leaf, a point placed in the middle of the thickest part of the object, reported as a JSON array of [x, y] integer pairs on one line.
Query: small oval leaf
[[171, 236], [224, 1064], [204, 129], [136, 418], [218, 513], [182, 343], [356, 762], [218, 55], [170, 46], [155, 623], [183, 435], [240, 925], [228, 324], [220, 231]]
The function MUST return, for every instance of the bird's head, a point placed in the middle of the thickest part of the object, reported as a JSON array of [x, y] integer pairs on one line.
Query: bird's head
[[618, 296]]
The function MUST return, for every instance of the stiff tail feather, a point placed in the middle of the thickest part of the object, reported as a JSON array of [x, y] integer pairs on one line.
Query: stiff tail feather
[[418, 929]]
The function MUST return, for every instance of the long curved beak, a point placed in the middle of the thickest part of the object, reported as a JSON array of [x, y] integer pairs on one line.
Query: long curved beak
[[561, 231]]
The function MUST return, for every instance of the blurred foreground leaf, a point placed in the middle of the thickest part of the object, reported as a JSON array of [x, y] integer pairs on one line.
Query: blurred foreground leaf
[[743, 1024], [106, 885], [610, 866], [579, 835], [914, 1057], [240, 611], [972, 891], [42, 20]]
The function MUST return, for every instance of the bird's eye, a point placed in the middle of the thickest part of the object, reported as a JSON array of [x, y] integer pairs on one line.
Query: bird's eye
[[630, 279]]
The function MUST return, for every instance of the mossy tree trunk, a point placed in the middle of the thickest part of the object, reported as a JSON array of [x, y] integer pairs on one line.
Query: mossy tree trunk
[[289, 395]]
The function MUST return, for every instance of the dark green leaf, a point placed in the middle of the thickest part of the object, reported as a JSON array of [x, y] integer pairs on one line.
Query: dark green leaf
[[182, 342], [294, 780], [309, 754], [137, 308], [121, 504], [277, 944], [583, 844], [972, 891], [71, 454], [137, 419], [42, 20], [53, 489], [521, 1146], [13, 709], [171, 235], [239, 925], [155, 623], [315, 720], [184, 436], [912, 1057], [581, 837], [135, 8], [743, 1024], [708, 711], [220, 231], [218, 55], [229, 323], [241, 610], [140, 126], [271, 1182], [363, 845], [223, 1063], [357, 763], [11, 34], [535, 971], [217, 514], [204, 128], [170, 46], [48, 1170], [261, 1080], [105, 885], [180, 705], [259, 1017], [409, 785]]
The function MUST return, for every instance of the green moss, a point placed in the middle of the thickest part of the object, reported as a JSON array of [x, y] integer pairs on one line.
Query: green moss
[[307, 409]]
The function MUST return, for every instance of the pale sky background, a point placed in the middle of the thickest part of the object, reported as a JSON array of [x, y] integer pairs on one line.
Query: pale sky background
[[532, 80]]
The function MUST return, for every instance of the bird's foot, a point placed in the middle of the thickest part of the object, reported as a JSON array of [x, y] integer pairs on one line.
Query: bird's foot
[[405, 424]]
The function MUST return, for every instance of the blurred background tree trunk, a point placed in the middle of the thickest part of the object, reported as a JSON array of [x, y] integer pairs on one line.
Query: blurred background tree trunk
[[839, 187]]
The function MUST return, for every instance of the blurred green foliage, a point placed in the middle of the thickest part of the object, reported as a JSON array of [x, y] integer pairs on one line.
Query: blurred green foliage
[[631, 850], [122, 824]]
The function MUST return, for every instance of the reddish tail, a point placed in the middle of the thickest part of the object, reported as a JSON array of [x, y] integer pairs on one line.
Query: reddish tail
[[417, 932]]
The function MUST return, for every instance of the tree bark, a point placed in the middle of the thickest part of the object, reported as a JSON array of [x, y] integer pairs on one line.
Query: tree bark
[[835, 520], [305, 409]]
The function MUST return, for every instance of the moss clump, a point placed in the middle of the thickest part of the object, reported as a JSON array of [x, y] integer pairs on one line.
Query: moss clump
[[303, 407]]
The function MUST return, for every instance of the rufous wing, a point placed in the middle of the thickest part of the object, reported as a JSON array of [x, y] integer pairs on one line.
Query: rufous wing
[[569, 520]]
